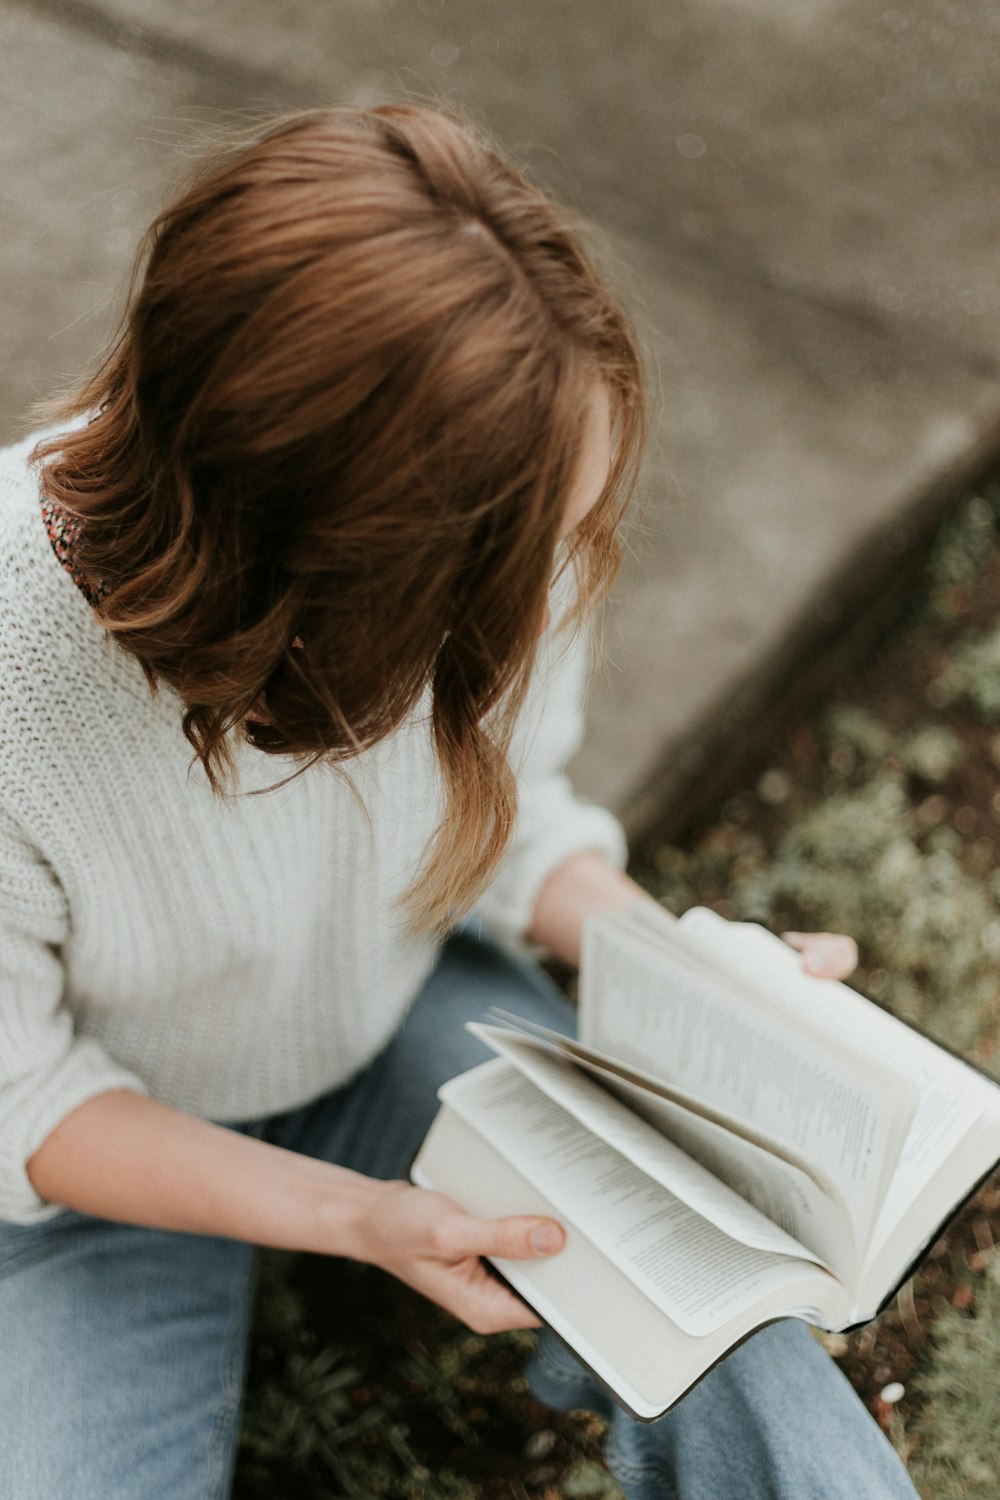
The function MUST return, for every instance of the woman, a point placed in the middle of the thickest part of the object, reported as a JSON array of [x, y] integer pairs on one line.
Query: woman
[[281, 702]]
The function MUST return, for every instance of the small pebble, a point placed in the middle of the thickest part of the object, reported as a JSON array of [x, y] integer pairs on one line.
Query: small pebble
[[966, 821], [932, 811], [893, 1392], [843, 759], [540, 1444], [537, 1479], [774, 787]]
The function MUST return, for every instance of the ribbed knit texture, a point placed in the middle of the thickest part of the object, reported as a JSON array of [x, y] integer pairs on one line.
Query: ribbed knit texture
[[234, 958]]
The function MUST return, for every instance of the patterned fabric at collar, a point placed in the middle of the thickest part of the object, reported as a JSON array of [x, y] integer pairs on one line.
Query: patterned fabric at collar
[[63, 531]]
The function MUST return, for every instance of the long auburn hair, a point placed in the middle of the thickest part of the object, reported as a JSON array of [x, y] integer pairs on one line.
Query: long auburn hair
[[329, 451]]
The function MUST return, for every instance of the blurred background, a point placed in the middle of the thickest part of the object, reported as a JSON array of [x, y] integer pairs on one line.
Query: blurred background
[[798, 198], [799, 717]]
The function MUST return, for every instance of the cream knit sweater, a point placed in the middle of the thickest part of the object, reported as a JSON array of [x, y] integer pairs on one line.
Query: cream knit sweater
[[234, 958]]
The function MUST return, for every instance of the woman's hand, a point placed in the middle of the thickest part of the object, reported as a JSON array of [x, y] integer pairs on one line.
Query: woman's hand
[[827, 955], [428, 1241], [586, 883]]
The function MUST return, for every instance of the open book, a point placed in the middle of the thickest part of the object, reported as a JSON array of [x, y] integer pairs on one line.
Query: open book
[[729, 1142]]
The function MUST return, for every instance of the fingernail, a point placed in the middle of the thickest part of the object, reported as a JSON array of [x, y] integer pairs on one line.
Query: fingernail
[[545, 1239]]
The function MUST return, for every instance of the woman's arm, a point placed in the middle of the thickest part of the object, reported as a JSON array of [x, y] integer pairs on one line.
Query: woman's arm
[[587, 884], [577, 889], [123, 1156]]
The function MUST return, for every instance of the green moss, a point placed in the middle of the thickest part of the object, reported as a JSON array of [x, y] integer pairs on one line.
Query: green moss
[[931, 752], [857, 731], [588, 1479], [955, 1437], [973, 676], [962, 548], [859, 861]]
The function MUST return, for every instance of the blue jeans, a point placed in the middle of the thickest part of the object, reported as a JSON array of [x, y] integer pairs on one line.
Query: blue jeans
[[122, 1350]]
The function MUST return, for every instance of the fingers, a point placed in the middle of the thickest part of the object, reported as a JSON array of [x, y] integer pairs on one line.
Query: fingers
[[827, 955], [473, 1294], [521, 1237]]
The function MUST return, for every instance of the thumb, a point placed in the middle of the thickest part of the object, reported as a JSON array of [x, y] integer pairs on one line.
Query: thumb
[[521, 1237], [827, 955]]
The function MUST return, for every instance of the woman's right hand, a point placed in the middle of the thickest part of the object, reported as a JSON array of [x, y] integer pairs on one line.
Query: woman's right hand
[[124, 1156], [429, 1241]]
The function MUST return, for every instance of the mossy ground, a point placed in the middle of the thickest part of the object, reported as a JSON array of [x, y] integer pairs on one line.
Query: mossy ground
[[880, 816]]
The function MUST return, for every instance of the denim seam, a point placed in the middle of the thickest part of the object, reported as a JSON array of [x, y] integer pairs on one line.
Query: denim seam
[[619, 1464], [37, 1245], [218, 1484], [555, 1371]]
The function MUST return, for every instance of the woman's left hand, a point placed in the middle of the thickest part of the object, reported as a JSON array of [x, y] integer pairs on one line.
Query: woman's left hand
[[587, 883], [827, 955]]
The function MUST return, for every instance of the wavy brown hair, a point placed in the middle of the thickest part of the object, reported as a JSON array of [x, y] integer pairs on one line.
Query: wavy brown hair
[[329, 451]]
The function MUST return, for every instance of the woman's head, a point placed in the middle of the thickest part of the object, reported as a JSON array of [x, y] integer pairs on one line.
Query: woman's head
[[334, 448]]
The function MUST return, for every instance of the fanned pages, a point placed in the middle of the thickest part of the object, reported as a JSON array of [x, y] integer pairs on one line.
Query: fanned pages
[[729, 1142], [601, 1114], [795, 1197]]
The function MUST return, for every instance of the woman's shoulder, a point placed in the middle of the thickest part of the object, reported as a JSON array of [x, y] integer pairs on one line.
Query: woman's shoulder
[[25, 550], [47, 626], [21, 528]]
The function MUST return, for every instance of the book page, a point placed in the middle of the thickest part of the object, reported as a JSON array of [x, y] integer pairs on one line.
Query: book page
[[926, 1216], [645, 1146], [688, 1268], [942, 1122], [952, 1096], [603, 1063], [730, 1046]]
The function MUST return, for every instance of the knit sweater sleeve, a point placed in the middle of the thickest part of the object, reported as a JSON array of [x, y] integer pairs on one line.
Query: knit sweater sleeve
[[45, 1070], [553, 823]]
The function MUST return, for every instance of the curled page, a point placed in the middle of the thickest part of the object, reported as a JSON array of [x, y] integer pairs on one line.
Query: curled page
[[652, 1152], [741, 1047], [800, 1201]]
